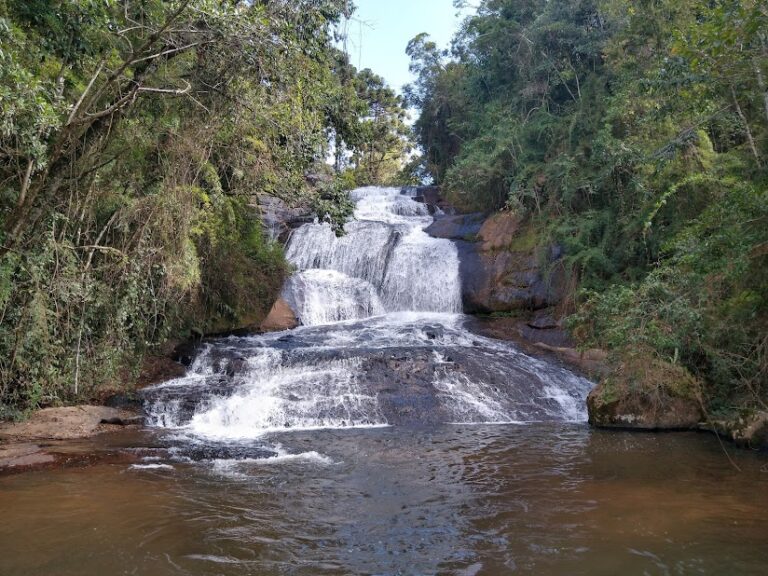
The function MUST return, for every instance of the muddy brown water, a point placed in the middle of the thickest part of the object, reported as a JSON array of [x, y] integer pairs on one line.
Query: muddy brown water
[[462, 500]]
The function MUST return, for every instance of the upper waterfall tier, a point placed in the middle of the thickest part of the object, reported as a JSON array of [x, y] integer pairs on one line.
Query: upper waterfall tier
[[384, 257]]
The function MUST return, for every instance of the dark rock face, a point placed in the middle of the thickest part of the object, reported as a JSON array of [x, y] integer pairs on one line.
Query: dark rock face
[[199, 452], [503, 281], [502, 269], [413, 385], [278, 219], [185, 352], [432, 197], [457, 227]]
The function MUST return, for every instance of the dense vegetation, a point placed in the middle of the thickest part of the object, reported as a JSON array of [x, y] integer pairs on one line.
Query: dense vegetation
[[135, 137], [634, 134]]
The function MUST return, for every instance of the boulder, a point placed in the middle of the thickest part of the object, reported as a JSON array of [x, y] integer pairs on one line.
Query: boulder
[[643, 412], [502, 266], [748, 429], [281, 317], [644, 392], [457, 227]]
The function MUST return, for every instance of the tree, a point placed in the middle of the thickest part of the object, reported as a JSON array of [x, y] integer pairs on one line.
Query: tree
[[382, 138], [134, 139]]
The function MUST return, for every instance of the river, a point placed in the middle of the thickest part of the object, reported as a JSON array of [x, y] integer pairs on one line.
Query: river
[[384, 437]]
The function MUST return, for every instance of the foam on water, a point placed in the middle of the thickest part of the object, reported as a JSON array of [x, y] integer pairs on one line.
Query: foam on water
[[385, 259], [151, 467], [386, 298]]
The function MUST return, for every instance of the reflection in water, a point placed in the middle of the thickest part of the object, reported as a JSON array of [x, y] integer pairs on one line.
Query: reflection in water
[[535, 499]]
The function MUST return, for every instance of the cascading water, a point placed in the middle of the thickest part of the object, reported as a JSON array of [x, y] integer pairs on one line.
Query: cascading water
[[385, 262], [381, 343]]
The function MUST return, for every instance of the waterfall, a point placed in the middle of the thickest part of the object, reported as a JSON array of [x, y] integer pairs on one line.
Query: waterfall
[[382, 342], [385, 261]]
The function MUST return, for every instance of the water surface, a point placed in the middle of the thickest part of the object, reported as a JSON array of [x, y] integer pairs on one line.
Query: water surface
[[505, 499]]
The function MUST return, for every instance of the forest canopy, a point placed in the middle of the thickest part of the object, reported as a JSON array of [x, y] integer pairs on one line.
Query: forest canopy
[[635, 136]]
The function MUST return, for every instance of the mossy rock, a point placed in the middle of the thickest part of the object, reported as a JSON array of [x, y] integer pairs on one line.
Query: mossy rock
[[643, 392], [748, 428]]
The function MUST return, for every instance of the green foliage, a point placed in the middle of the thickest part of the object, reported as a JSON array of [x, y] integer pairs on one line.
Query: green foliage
[[370, 147], [639, 131], [333, 205], [133, 140]]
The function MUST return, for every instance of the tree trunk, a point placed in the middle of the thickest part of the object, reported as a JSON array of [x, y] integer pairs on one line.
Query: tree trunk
[[762, 86], [743, 118]]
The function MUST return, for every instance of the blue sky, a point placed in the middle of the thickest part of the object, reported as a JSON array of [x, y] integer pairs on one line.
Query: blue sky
[[381, 29]]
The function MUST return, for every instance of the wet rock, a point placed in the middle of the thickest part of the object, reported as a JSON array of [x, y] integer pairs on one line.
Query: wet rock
[[125, 401], [281, 317], [183, 400], [198, 452], [156, 368], [117, 421], [24, 455], [431, 196], [459, 227], [413, 386], [433, 332], [186, 352]]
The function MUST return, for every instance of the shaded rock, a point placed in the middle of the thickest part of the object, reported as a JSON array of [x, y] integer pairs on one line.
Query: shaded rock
[[278, 219], [117, 421], [431, 196], [281, 317], [155, 369], [507, 280], [543, 320], [459, 227], [127, 401], [749, 429], [502, 266], [186, 352]]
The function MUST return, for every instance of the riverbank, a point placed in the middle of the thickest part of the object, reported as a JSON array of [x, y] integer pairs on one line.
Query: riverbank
[[63, 437]]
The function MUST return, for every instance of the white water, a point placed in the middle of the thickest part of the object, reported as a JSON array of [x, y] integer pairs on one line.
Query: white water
[[382, 343], [384, 263]]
